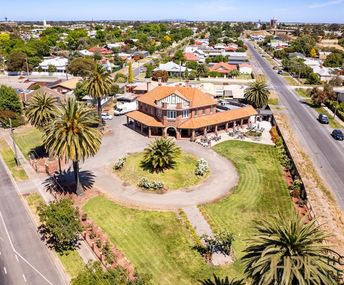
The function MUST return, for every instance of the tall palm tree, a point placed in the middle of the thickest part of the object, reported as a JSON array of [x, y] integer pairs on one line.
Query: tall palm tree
[[71, 135], [41, 109], [98, 85], [257, 94], [219, 281], [287, 251], [160, 155]]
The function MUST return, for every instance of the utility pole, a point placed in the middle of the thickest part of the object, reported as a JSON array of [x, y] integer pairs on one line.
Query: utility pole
[[27, 69], [335, 108], [14, 144]]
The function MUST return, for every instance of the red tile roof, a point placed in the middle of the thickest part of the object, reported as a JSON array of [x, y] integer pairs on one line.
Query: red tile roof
[[100, 50], [223, 67], [196, 97], [145, 119], [189, 56]]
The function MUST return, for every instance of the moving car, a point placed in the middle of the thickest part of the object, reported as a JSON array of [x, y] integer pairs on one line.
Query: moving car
[[123, 108], [337, 135], [323, 119], [106, 116]]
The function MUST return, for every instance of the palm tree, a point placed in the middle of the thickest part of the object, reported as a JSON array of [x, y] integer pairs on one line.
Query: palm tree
[[41, 110], [287, 251], [160, 155], [219, 281], [257, 94], [71, 135], [98, 84]]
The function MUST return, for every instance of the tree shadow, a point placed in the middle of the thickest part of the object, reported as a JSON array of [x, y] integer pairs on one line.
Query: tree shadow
[[64, 183], [38, 152]]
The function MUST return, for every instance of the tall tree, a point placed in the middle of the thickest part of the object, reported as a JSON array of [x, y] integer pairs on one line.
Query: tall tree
[[287, 251], [98, 85], [72, 135], [257, 94], [41, 109], [130, 73]]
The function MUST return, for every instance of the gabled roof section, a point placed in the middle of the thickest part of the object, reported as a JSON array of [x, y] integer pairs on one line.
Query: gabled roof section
[[196, 97]]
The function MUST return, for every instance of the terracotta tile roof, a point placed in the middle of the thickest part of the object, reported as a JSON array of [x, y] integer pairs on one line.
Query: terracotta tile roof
[[144, 119], [43, 89], [196, 97], [189, 56], [68, 84], [245, 65], [100, 50], [223, 67], [218, 118]]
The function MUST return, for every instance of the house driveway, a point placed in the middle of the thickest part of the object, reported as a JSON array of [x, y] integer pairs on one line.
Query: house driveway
[[223, 176]]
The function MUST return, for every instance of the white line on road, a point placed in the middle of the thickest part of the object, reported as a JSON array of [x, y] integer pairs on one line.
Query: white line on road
[[5, 270], [15, 251], [24, 278], [16, 257]]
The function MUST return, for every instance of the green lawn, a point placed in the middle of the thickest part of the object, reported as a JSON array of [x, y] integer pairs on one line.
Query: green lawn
[[181, 176], [7, 154], [291, 81], [71, 260], [273, 101], [303, 92], [28, 139], [155, 242], [332, 122], [261, 191]]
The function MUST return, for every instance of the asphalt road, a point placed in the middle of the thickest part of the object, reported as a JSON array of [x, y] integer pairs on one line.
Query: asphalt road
[[327, 153], [24, 258]]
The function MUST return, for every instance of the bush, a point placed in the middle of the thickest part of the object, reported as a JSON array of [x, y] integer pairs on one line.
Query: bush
[[150, 185], [119, 163], [201, 167]]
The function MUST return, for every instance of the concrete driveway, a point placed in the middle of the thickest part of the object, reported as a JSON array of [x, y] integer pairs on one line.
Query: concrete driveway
[[122, 140]]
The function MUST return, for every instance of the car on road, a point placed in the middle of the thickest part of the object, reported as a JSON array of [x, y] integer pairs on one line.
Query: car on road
[[279, 72], [106, 116], [337, 135], [323, 119]]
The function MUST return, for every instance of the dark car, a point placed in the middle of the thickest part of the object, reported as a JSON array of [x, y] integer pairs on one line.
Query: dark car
[[337, 135], [279, 72], [323, 119]]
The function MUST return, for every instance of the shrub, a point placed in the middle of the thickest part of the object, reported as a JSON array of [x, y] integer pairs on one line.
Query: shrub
[[119, 163], [150, 185], [201, 167]]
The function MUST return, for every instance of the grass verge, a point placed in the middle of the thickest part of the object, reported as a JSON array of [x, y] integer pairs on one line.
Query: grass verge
[[291, 81], [28, 139], [181, 176], [157, 243], [71, 260], [261, 191], [7, 154]]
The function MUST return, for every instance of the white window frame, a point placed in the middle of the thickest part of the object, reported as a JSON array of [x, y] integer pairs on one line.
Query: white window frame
[[185, 114], [171, 115]]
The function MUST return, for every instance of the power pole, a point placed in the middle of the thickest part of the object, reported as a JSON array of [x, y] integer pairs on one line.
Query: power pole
[[27, 69], [14, 145]]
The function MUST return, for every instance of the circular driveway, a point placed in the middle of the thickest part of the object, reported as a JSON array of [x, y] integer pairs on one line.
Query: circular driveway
[[223, 176]]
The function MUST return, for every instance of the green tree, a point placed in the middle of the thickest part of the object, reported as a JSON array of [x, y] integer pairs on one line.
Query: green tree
[[179, 57], [130, 73], [149, 70], [9, 100], [52, 68], [16, 61], [81, 66], [313, 78], [285, 250], [160, 74], [335, 59], [41, 109], [60, 224], [219, 281], [160, 155], [80, 90], [98, 85], [75, 38], [202, 70], [257, 94], [71, 135]]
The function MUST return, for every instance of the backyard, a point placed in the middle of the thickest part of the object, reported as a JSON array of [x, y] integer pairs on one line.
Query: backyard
[[156, 243], [261, 191], [181, 176]]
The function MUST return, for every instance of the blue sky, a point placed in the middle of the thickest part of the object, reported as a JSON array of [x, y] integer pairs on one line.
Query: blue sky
[[231, 10]]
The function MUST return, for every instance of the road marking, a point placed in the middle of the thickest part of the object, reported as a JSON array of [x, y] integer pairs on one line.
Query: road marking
[[15, 251], [5, 270], [16, 257], [24, 278]]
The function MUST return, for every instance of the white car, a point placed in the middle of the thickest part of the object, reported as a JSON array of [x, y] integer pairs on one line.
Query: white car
[[123, 108], [106, 116]]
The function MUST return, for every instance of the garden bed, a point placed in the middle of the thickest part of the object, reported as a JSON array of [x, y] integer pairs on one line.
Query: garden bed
[[182, 175]]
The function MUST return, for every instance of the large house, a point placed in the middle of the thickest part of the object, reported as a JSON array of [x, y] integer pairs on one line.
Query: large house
[[223, 67], [172, 68], [184, 112], [59, 62]]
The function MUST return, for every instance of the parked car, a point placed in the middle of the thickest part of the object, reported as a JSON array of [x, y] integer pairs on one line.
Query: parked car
[[106, 116], [337, 135], [124, 108], [323, 119], [279, 72]]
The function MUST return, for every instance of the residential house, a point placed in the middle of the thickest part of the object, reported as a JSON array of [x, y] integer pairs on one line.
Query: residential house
[[26, 96], [189, 56], [67, 86], [103, 51], [237, 57], [223, 67], [184, 112], [59, 62], [172, 68], [245, 68]]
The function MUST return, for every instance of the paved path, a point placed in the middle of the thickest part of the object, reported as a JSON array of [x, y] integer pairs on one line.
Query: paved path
[[223, 176]]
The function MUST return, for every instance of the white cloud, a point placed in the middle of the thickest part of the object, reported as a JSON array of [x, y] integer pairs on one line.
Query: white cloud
[[325, 4]]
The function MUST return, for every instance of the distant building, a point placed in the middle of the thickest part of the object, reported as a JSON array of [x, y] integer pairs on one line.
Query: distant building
[[59, 62], [172, 68], [273, 23]]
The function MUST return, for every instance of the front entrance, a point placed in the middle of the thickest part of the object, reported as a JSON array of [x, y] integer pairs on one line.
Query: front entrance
[[171, 132]]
